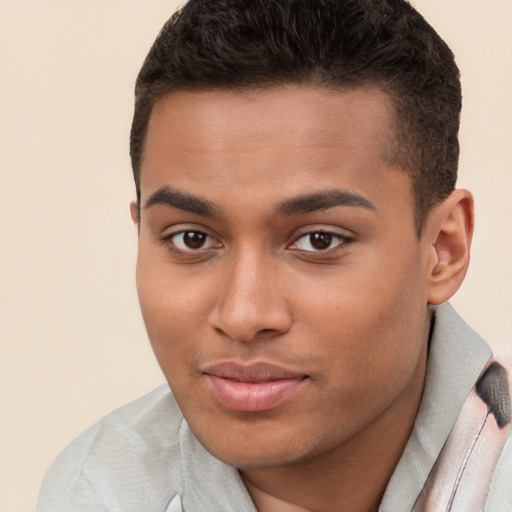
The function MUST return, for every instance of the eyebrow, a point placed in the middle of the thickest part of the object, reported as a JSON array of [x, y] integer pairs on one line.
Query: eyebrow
[[323, 201], [165, 196]]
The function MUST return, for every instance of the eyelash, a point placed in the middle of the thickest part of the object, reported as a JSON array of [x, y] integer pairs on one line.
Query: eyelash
[[170, 242], [342, 242]]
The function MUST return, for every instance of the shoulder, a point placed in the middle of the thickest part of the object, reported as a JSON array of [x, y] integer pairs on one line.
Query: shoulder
[[495, 389], [500, 492], [131, 453]]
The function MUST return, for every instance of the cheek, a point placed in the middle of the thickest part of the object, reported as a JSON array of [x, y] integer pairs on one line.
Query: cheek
[[373, 321], [172, 310]]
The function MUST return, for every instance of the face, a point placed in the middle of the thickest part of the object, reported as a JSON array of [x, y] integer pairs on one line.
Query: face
[[280, 278]]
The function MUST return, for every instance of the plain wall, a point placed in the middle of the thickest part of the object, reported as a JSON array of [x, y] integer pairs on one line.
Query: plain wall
[[73, 345]]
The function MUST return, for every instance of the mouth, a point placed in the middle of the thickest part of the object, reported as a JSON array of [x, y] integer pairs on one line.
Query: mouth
[[252, 388]]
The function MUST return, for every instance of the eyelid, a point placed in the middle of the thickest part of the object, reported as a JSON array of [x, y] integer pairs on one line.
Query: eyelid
[[168, 237], [343, 241]]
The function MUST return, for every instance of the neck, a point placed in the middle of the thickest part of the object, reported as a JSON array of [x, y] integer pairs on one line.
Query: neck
[[353, 476]]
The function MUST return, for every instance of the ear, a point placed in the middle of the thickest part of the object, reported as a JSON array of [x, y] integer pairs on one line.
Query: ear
[[135, 212], [449, 231]]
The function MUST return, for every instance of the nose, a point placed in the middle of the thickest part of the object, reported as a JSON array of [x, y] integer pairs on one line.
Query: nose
[[250, 301]]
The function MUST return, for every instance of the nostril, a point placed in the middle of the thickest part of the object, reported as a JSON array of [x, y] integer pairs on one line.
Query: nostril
[[265, 331]]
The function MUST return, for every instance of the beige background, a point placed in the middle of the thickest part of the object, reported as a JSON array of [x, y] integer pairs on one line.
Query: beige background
[[72, 341]]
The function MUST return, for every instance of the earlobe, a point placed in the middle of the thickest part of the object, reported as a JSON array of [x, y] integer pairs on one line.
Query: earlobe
[[449, 231], [135, 212]]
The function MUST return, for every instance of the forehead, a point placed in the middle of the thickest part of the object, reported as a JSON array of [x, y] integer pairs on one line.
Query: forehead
[[275, 142], [292, 110]]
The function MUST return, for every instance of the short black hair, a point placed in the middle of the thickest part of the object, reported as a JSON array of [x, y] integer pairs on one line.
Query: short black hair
[[336, 44]]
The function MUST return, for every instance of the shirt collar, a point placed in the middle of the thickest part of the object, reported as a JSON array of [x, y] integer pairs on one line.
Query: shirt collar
[[457, 356]]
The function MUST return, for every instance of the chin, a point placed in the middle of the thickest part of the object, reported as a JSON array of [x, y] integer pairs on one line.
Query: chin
[[257, 460], [252, 451]]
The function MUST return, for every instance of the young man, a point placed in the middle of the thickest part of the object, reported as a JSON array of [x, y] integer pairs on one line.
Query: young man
[[299, 233]]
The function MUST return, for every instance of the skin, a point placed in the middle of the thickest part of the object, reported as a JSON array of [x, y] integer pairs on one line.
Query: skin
[[352, 318]]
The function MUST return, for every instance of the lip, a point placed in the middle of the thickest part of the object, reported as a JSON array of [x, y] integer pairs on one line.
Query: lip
[[254, 387]]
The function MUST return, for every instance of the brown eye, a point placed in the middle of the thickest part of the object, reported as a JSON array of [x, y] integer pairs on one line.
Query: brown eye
[[190, 241], [194, 239], [320, 241]]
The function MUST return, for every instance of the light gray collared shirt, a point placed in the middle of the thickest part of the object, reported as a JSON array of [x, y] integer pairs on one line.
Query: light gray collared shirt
[[144, 458]]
